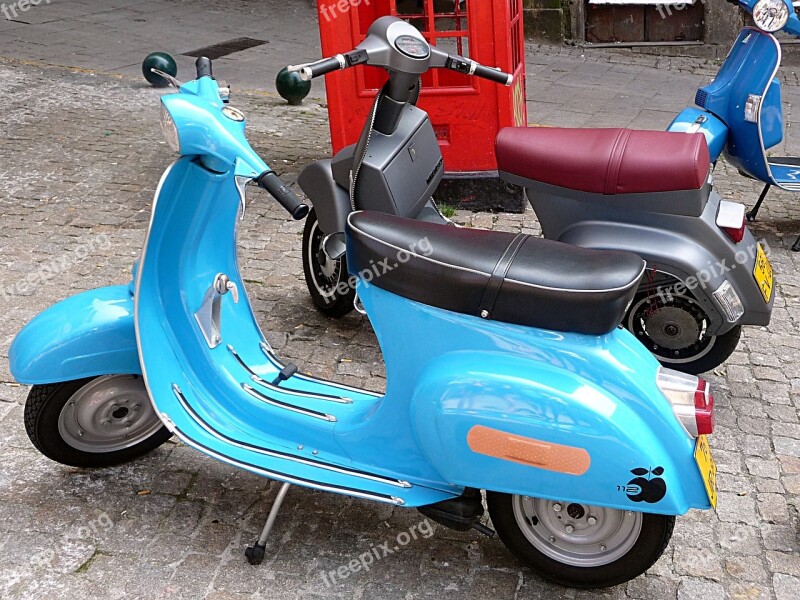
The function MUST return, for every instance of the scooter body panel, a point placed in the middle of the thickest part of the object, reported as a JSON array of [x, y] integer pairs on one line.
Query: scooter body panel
[[527, 411], [748, 75], [697, 120], [86, 335], [692, 249], [331, 202]]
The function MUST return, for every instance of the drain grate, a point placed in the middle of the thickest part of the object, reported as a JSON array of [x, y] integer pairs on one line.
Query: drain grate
[[225, 48]]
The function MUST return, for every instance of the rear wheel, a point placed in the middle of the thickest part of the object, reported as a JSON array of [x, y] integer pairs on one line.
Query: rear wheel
[[96, 422], [579, 545], [327, 279], [674, 329]]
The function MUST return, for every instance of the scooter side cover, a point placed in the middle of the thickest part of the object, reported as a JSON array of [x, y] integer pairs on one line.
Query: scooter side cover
[[539, 413], [87, 335]]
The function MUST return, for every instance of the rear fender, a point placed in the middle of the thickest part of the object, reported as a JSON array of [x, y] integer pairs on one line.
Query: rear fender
[[87, 335], [557, 434]]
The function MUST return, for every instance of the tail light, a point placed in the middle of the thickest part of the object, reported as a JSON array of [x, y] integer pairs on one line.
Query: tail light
[[691, 399], [704, 408], [730, 219]]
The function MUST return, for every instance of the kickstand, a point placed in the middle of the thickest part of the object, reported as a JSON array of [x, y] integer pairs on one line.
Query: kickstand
[[255, 554], [796, 245], [751, 216]]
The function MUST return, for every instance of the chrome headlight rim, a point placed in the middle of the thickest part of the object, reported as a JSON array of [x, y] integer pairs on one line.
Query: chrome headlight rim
[[170, 130]]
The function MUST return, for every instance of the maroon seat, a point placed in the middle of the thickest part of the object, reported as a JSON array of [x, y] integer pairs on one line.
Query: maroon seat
[[605, 161]]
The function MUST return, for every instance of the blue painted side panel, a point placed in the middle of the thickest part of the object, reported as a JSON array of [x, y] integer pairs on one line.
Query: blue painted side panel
[[595, 393], [772, 115], [83, 336], [713, 128], [748, 70]]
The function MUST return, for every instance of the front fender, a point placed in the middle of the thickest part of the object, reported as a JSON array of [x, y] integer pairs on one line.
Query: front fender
[[577, 436], [86, 335]]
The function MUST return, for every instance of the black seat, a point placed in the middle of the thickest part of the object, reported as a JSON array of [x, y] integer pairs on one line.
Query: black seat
[[514, 278]]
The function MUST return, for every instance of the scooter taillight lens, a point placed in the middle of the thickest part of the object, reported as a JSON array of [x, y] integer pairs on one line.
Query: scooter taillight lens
[[704, 408], [691, 400], [730, 219], [737, 235]]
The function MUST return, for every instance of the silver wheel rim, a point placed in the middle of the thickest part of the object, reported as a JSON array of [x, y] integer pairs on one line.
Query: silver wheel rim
[[330, 269], [576, 534], [107, 414]]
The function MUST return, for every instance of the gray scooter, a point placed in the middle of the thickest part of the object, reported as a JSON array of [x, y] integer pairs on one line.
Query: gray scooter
[[647, 192]]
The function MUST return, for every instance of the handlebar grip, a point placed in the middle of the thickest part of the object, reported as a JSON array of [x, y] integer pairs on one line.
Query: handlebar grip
[[203, 66], [321, 67], [285, 197], [493, 75]]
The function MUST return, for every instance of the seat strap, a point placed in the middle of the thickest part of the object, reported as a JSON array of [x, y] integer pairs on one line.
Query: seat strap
[[499, 274]]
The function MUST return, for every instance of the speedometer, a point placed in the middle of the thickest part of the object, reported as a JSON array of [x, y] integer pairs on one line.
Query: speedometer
[[412, 47], [770, 15]]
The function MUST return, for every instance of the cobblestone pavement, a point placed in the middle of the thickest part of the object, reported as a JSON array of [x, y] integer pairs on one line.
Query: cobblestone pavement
[[81, 155]]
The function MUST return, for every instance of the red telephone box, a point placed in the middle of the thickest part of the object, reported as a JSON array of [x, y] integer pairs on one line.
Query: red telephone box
[[466, 112]]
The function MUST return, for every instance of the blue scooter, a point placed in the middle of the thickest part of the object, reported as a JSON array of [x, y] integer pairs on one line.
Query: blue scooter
[[587, 449], [740, 111]]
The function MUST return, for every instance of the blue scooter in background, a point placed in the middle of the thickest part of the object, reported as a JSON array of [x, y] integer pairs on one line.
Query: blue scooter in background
[[740, 111], [587, 449]]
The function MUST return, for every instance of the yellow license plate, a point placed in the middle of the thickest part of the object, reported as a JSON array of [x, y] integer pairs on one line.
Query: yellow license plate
[[708, 468], [763, 274]]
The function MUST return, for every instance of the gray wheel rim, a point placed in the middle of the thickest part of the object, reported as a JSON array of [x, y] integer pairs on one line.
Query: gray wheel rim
[[109, 413], [576, 534]]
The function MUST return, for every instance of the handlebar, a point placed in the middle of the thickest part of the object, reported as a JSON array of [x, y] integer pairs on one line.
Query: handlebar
[[322, 67], [470, 67], [359, 56], [270, 181], [203, 66]]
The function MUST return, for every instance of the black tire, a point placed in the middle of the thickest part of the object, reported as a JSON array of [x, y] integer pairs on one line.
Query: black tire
[[43, 410], [653, 538], [325, 282], [701, 354]]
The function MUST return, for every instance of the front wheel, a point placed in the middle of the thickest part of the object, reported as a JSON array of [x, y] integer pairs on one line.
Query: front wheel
[[674, 329], [579, 545], [327, 279], [95, 422]]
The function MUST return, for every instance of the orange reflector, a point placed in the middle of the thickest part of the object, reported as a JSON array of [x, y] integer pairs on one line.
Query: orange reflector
[[528, 451]]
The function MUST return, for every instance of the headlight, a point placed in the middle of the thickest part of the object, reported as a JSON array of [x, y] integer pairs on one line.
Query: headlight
[[170, 130], [770, 15]]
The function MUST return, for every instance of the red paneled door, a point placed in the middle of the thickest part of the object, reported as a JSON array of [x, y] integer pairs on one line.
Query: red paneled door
[[466, 112]]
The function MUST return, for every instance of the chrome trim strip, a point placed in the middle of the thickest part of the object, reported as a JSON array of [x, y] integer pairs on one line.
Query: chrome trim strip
[[278, 454], [290, 407], [270, 354], [290, 392]]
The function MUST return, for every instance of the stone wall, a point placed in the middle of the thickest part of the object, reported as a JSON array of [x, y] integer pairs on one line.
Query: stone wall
[[559, 20]]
